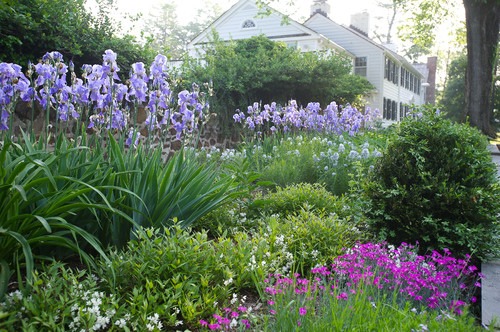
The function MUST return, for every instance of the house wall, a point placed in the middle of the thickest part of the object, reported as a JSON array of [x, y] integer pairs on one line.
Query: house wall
[[376, 55], [354, 44]]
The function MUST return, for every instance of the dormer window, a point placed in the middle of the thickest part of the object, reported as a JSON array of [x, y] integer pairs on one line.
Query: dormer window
[[248, 24]]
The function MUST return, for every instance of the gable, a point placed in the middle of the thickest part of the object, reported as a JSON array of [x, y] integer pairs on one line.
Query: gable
[[241, 22]]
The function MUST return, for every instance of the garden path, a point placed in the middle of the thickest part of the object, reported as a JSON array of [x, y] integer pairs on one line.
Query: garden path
[[495, 155]]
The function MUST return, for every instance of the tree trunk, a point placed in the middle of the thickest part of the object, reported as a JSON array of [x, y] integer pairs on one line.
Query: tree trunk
[[482, 18]]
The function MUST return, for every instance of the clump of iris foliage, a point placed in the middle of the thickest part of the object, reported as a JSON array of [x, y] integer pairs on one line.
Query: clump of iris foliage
[[101, 188], [207, 238]]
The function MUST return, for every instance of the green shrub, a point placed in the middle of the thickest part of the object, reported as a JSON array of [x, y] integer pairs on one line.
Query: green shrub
[[289, 200], [176, 269], [307, 239], [169, 280], [436, 184]]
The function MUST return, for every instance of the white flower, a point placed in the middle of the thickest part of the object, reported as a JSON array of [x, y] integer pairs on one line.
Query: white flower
[[121, 323], [17, 295], [178, 323]]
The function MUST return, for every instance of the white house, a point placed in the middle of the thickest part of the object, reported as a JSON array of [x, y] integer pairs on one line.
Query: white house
[[397, 83], [242, 21]]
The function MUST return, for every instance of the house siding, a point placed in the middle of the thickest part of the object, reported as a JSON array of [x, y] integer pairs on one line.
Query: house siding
[[376, 57]]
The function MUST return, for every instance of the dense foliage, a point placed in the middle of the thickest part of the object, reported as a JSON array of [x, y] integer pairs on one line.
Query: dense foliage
[[453, 99], [30, 28], [436, 184], [258, 69]]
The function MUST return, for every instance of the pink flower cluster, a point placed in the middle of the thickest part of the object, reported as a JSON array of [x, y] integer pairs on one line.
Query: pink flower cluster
[[437, 280], [227, 322]]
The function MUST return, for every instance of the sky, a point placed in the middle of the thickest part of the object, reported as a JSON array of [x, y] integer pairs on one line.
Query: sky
[[340, 10]]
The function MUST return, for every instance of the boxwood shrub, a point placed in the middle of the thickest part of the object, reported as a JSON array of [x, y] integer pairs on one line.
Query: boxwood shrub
[[436, 184]]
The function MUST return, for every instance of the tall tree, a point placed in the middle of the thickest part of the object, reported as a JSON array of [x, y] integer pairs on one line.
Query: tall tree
[[393, 8], [168, 36], [482, 18], [453, 97], [482, 25]]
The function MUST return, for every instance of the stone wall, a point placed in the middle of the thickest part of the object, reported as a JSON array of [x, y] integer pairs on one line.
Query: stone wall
[[210, 136]]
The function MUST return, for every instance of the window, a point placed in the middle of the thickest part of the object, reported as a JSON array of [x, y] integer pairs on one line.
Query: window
[[391, 71], [394, 111], [389, 109], [396, 74], [360, 66], [403, 71], [385, 108], [248, 24]]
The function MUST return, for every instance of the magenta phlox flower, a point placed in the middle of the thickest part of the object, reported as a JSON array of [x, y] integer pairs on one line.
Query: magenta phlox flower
[[302, 311]]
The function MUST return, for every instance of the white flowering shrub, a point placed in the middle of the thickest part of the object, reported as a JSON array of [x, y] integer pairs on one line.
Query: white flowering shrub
[[62, 299]]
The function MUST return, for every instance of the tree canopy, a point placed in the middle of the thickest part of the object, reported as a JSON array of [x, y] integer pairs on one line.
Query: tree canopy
[[30, 28]]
